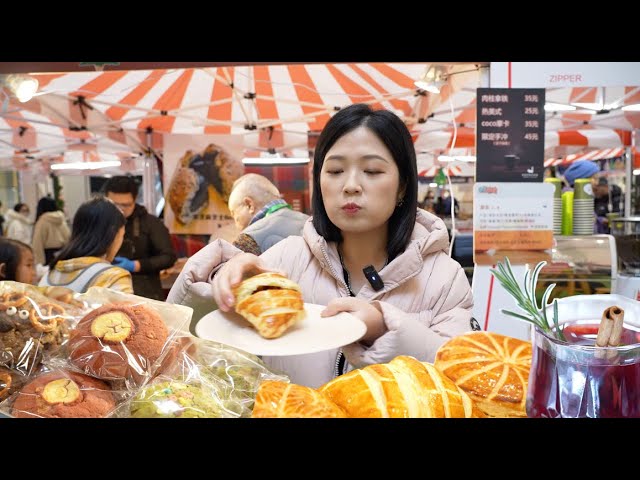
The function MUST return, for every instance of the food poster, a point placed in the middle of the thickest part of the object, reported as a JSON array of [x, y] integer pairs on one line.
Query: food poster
[[199, 171]]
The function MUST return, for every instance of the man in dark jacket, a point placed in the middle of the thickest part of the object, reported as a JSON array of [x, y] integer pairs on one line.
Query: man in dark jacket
[[147, 246]]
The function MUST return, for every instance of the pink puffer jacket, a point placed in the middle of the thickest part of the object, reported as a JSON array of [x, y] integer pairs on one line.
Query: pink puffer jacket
[[426, 297]]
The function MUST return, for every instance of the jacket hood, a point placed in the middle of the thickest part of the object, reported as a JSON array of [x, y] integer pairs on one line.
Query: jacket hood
[[429, 236], [13, 215], [54, 218]]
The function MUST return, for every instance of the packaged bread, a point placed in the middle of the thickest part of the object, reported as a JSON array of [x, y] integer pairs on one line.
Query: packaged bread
[[271, 302], [62, 394], [493, 369], [203, 379], [125, 338], [402, 388], [32, 326], [118, 341], [278, 399]]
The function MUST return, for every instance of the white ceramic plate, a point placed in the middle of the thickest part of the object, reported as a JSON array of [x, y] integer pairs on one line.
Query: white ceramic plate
[[311, 334]]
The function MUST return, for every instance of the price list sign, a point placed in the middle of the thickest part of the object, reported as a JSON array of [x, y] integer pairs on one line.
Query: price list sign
[[510, 135]]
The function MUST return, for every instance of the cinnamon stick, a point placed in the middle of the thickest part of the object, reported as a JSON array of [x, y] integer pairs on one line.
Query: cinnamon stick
[[610, 331]]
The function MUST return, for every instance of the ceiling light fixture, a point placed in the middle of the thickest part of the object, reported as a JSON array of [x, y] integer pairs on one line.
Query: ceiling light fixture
[[634, 107], [22, 86], [458, 158], [275, 159], [433, 79], [85, 165], [558, 107]]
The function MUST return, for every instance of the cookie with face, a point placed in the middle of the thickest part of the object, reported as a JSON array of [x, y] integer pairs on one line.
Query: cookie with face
[[64, 394], [28, 329], [118, 342]]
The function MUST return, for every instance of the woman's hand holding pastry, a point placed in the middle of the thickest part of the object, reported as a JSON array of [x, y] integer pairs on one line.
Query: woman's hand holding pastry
[[365, 311], [231, 274]]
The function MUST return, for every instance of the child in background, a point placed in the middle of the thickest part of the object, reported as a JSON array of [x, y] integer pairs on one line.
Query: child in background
[[16, 261]]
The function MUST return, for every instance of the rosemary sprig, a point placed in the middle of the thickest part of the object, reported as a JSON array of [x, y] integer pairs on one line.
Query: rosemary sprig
[[525, 297]]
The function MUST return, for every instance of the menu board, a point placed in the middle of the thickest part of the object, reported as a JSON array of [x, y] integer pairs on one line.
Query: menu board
[[510, 216], [510, 135]]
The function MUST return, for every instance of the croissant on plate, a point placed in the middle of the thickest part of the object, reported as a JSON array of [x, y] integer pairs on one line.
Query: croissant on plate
[[271, 302], [402, 388]]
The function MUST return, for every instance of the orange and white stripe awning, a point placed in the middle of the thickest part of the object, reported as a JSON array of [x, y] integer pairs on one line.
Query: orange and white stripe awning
[[433, 170], [592, 155], [247, 100]]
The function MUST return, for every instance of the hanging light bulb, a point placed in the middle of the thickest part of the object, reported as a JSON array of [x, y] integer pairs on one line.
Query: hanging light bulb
[[22, 86], [432, 80]]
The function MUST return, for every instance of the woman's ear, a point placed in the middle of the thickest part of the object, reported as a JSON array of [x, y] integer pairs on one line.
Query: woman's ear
[[2, 271]]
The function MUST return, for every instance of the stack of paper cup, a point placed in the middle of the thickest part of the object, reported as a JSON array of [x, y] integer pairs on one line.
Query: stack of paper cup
[[557, 204], [567, 213], [583, 212]]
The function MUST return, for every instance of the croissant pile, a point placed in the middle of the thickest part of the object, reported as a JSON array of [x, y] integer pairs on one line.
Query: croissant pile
[[402, 388], [271, 302]]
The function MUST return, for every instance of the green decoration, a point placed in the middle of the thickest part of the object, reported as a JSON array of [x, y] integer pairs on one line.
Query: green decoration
[[57, 191]]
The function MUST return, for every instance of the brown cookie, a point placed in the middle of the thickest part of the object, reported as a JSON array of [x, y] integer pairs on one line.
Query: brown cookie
[[118, 341], [27, 328], [64, 394]]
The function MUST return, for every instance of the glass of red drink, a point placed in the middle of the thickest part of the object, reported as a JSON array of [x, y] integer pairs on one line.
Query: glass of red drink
[[574, 378]]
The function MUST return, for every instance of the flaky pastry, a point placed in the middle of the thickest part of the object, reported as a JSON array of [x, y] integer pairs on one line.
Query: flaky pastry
[[271, 302]]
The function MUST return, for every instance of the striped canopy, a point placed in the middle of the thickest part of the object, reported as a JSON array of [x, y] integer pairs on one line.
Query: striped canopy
[[601, 154], [272, 106]]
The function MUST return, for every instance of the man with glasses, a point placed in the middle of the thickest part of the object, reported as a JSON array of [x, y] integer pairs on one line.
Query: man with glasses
[[147, 247]]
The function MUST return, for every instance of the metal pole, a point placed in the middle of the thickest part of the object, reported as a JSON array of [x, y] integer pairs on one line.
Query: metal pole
[[149, 178], [628, 175]]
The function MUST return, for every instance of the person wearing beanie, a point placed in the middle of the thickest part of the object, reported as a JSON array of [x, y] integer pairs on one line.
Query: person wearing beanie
[[580, 169]]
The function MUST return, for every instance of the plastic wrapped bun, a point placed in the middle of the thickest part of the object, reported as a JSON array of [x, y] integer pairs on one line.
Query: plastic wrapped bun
[[61, 394], [199, 369], [31, 326], [175, 399], [118, 342]]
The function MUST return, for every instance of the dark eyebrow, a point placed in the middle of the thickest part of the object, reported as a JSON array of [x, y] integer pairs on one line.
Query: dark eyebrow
[[364, 157]]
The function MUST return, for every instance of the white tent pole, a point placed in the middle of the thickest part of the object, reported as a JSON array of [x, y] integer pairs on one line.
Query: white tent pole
[[201, 105], [629, 174], [148, 178], [126, 106]]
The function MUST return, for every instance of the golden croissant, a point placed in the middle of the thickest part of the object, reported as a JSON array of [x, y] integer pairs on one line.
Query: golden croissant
[[402, 388], [286, 400], [270, 302]]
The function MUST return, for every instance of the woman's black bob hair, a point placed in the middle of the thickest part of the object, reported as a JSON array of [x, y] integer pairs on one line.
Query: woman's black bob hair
[[394, 134], [95, 226]]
